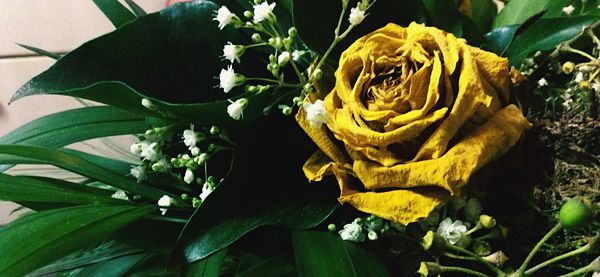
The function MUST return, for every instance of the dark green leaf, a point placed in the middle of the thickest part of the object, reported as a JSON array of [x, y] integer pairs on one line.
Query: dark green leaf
[[80, 166], [118, 14], [499, 39], [40, 51], [39, 238], [316, 21], [483, 13], [207, 267], [169, 57], [516, 12], [444, 14], [116, 267], [555, 8], [545, 34], [46, 190], [325, 254], [272, 192], [137, 10], [277, 266]]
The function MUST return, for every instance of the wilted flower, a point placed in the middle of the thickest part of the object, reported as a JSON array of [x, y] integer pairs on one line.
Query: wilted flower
[[452, 232], [352, 232], [498, 258], [263, 11], [315, 113]]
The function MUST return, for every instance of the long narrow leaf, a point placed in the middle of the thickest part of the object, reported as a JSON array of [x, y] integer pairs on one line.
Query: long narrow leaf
[[39, 238], [81, 166], [40, 51], [135, 8], [118, 14]]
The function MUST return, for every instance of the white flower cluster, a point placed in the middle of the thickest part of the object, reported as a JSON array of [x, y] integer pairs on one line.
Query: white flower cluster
[[149, 151], [360, 228], [452, 232]]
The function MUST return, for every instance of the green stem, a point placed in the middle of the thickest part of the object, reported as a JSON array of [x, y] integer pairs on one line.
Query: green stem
[[339, 25], [474, 229], [458, 257], [476, 257], [558, 258], [578, 272], [462, 270], [537, 247]]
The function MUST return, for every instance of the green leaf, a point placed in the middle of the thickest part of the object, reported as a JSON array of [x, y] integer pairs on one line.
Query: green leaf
[[545, 34], [46, 190], [135, 8], [116, 267], [39, 238], [517, 12], [207, 267], [325, 254], [499, 39], [118, 14], [40, 51], [272, 192], [157, 57], [316, 21], [483, 13], [67, 127], [555, 8], [276, 266], [444, 14], [80, 166]]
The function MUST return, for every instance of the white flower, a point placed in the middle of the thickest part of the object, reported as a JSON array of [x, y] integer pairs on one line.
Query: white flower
[[136, 149], [283, 58], [542, 83], [149, 151], [120, 194], [225, 17], [579, 77], [597, 273], [352, 232], [161, 166], [190, 137], [596, 87], [138, 172], [166, 201], [189, 176], [229, 79], [236, 109], [357, 15], [297, 54], [372, 235], [195, 151], [263, 11], [568, 9], [202, 158], [315, 113], [452, 232], [233, 52], [207, 189], [148, 104]]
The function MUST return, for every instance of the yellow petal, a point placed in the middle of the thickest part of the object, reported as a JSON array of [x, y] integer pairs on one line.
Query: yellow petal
[[321, 137]]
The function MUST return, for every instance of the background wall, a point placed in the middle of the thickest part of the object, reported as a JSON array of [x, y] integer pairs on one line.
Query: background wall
[[55, 25]]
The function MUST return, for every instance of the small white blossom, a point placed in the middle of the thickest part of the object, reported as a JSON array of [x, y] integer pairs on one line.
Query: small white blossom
[[283, 58], [189, 176], [190, 137], [263, 11], [166, 201], [297, 54], [202, 158], [195, 151], [138, 172], [229, 79], [452, 232], [148, 104], [120, 194], [597, 273], [372, 235], [149, 151], [579, 77], [207, 189], [315, 113], [596, 87], [236, 109], [233, 52], [542, 83], [136, 149], [224, 17], [357, 15], [568, 10], [352, 232]]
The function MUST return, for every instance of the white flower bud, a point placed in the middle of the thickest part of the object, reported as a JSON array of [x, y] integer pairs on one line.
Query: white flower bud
[[166, 201], [283, 58], [149, 104], [352, 232], [189, 176], [120, 194], [356, 16]]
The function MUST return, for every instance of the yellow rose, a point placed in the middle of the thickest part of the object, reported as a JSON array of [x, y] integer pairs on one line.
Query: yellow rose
[[414, 113]]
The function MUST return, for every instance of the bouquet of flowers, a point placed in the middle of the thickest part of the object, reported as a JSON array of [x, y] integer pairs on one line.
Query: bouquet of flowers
[[316, 138]]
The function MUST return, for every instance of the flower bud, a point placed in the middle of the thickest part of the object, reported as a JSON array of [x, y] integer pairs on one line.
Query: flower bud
[[317, 74], [429, 269], [185, 197], [482, 247], [248, 14], [331, 227], [487, 221], [214, 130], [286, 111], [292, 32], [568, 67], [195, 151], [585, 85], [189, 176], [372, 235], [427, 240], [202, 158], [149, 104], [283, 58], [196, 202], [575, 213], [498, 258], [251, 89], [256, 37]]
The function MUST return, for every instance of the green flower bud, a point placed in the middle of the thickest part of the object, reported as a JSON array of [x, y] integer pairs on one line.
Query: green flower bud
[[331, 227], [317, 74], [482, 247], [487, 221], [286, 111], [185, 197], [372, 235], [256, 37], [427, 240], [575, 213], [429, 269], [292, 32], [214, 130], [248, 14], [568, 67], [196, 202]]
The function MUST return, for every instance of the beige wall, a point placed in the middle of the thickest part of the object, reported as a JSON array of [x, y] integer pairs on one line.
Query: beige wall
[[55, 25]]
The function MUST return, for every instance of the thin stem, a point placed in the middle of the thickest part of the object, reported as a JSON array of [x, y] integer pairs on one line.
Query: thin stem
[[339, 25], [568, 48], [537, 247], [474, 229], [458, 257], [478, 258], [462, 270], [578, 272], [558, 258]]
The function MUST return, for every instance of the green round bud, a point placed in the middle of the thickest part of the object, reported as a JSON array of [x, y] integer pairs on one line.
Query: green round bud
[[258, 1], [287, 42], [575, 213], [256, 37], [487, 221], [287, 111], [331, 227], [250, 89], [317, 74], [248, 14], [185, 197], [196, 202], [292, 32], [568, 67], [271, 41], [214, 130]]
